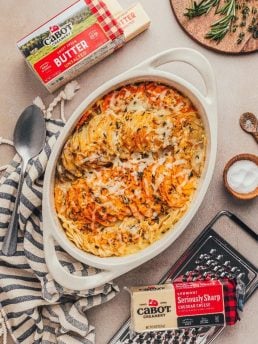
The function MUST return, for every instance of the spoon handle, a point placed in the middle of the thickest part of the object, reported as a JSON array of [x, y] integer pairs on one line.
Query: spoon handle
[[255, 135], [10, 240]]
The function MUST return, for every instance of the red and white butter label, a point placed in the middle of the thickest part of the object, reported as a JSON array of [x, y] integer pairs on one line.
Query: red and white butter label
[[177, 305], [71, 52], [71, 42]]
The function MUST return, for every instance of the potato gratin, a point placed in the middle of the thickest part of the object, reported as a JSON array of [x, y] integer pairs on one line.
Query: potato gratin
[[129, 170]]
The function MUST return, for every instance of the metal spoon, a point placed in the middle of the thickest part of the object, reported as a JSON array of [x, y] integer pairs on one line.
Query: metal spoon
[[249, 124], [29, 139]]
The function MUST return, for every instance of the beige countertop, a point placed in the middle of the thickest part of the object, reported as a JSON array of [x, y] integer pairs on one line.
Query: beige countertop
[[237, 81]]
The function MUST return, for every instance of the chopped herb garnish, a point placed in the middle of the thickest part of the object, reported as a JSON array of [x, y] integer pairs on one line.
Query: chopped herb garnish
[[156, 219], [144, 155], [240, 37], [139, 175]]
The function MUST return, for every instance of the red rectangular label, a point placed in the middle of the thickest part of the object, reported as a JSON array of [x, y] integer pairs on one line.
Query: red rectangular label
[[195, 298], [71, 52]]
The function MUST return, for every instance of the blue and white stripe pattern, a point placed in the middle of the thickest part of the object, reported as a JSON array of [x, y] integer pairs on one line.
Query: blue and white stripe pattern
[[35, 307]]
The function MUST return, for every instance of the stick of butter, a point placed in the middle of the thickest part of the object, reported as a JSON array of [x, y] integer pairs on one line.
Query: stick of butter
[[133, 21], [79, 37]]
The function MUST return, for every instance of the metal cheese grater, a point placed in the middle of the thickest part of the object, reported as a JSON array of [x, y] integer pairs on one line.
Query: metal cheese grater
[[209, 255]]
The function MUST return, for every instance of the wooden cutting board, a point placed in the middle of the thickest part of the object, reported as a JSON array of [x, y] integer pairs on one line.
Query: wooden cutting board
[[199, 26]]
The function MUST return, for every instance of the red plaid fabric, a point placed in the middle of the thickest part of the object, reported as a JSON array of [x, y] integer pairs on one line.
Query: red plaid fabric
[[230, 301], [229, 289], [105, 19]]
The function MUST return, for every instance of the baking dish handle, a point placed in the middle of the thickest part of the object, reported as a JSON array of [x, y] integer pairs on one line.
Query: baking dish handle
[[68, 280], [191, 57]]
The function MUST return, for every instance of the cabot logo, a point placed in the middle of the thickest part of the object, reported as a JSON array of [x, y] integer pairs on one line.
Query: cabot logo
[[54, 28], [154, 308], [153, 303], [58, 34]]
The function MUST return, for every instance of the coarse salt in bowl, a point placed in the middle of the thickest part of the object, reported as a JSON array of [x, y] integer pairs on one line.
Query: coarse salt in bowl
[[241, 176]]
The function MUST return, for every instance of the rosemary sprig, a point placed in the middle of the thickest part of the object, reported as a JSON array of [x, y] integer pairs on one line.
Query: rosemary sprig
[[228, 21], [227, 8], [203, 7], [221, 27]]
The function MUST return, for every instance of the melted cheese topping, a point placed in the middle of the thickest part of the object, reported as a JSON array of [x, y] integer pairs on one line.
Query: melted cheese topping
[[128, 172]]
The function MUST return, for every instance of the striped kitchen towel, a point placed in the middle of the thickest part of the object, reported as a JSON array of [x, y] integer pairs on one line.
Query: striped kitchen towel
[[34, 307]]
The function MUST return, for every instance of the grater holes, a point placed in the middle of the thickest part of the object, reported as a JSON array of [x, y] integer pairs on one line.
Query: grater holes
[[241, 275], [226, 263]]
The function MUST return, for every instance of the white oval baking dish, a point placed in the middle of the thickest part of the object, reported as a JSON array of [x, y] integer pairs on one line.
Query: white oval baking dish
[[115, 266]]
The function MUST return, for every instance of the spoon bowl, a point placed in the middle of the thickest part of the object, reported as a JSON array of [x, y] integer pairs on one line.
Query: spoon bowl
[[249, 123], [29, 139], [30, 132]]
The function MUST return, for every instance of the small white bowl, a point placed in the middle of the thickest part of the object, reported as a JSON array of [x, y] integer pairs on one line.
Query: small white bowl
[[242, 196]]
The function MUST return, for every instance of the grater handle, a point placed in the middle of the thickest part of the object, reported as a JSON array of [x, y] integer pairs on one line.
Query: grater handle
[[239, 222], [251, 291]]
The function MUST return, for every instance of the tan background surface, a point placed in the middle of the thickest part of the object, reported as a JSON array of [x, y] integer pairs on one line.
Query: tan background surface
[[237, 80]]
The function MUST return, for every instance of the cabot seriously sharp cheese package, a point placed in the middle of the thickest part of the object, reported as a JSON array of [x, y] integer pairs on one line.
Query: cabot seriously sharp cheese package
[[77, 38], [183, 304]]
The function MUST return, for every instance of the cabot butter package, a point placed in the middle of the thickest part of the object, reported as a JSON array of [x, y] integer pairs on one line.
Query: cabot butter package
[[181, 305], [79, 37]]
